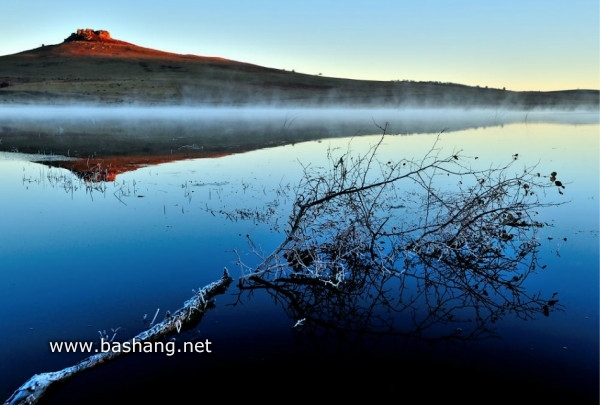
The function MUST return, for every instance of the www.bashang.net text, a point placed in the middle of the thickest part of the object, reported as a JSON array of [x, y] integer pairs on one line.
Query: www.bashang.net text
[[131, 346]]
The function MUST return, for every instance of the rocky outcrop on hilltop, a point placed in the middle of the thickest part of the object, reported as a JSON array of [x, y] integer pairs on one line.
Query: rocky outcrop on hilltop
[[90, 35]]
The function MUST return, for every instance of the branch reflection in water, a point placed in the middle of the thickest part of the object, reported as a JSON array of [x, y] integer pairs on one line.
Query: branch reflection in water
[[430, 249]]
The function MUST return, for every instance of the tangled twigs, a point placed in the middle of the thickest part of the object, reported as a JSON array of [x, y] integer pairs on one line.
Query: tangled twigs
[[455, 239]]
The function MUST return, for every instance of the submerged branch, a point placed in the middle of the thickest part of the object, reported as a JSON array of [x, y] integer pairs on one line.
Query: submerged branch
[[192, 311]]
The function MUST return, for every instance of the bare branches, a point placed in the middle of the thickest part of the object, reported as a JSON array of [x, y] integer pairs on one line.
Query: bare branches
[[460, 240]]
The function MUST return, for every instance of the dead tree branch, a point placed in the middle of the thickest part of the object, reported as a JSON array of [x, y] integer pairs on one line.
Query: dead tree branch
[[190, 314], [459, 240]]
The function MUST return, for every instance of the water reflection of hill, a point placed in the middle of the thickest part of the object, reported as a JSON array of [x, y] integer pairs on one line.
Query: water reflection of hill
[[107, 168], [108, 141], [106, 258]]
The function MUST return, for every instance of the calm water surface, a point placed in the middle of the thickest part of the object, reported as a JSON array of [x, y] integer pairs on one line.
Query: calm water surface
[[78, 258]]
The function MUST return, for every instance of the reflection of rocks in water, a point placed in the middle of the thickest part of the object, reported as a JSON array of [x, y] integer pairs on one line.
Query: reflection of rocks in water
[[156, 133], [107, 168]]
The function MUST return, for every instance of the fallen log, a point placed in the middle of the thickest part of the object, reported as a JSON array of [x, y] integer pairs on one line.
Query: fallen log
[[192, 311]]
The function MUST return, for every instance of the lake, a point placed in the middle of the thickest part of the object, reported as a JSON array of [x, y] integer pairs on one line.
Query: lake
[[83, 260]]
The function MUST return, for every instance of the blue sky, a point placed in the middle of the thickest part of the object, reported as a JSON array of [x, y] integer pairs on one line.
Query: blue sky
[[517, 44]]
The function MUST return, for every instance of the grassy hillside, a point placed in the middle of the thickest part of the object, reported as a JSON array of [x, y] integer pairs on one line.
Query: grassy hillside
[[117, 72]]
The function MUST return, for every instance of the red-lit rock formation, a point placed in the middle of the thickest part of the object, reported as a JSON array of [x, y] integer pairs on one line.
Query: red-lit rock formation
[[90, 35]]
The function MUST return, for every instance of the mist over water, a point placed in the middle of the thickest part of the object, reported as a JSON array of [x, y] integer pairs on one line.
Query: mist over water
[[84, 131], [119, 139], [87, 251], [492, 116]]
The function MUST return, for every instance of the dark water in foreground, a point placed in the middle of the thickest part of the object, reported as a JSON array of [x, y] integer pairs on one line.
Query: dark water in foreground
[[79, 258]]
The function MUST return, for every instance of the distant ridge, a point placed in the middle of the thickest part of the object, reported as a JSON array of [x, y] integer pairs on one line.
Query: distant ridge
[[90, 66]]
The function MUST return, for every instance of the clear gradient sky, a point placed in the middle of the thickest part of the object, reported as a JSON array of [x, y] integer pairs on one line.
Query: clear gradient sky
[[517, 44]]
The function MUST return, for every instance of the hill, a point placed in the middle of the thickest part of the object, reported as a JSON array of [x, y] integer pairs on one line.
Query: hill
[[91, 67]]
